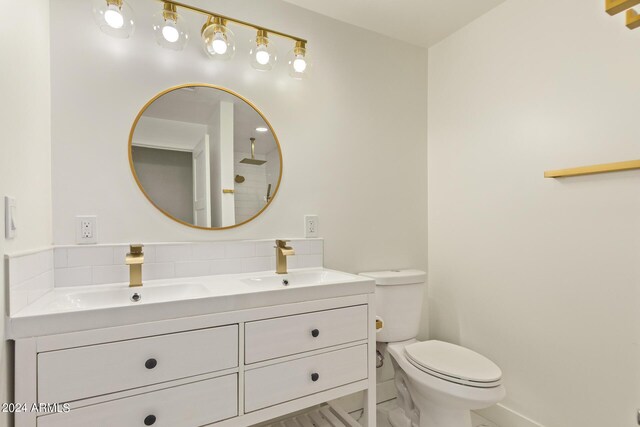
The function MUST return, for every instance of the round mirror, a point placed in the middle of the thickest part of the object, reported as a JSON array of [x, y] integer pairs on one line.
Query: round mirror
[[205, 156]]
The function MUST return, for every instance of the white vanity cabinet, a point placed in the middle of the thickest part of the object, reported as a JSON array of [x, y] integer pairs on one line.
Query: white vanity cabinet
[[235, 368]]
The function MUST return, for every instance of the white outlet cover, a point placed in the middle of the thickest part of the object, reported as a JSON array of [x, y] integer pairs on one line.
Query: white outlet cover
[[86, 229], [311, 226]]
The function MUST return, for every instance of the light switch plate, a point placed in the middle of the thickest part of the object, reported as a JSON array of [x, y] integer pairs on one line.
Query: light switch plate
[[311, 226], [10, 227], [86, 229]]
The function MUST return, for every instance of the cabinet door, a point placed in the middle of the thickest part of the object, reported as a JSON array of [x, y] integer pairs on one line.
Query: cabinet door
[[301, 377], [282, 336], [190, 405], [77, 373]]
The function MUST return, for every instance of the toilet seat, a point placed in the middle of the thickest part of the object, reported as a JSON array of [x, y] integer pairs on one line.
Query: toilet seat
[[453, 363]]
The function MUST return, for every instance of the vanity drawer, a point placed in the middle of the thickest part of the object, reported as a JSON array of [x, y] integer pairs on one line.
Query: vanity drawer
[[282, 336], [77, 373], [189, 405], [301, 377]]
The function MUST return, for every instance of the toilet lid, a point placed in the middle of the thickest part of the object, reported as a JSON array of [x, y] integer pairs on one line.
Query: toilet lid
[[453, 361]]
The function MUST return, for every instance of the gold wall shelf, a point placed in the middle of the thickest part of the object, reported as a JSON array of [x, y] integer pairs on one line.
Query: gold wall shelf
[[614, 7], [593, 169], [633, 19]]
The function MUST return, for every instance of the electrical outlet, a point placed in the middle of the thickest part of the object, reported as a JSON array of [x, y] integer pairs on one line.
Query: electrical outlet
[[86, 229], [311, 226]]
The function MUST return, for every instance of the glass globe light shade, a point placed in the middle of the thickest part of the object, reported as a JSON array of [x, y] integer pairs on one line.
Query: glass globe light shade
[[298, 61], [219, 41], [263, 53], [169, 28], [114, 17]]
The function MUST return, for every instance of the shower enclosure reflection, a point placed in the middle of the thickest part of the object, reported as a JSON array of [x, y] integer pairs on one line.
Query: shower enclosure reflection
[[205, 156]]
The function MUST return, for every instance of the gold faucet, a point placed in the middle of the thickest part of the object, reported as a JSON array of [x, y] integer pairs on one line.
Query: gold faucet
[[282, 252], [135, 259]]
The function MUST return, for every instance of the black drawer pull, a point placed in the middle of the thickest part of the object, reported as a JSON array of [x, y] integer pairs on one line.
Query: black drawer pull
[[315, 377], [150, 364], [150, 420], [315, 333]]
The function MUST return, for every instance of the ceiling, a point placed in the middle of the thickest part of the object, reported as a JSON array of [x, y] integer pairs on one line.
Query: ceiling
[[419, 22]]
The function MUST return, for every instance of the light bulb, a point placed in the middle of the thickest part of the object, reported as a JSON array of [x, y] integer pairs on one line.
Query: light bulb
[[262, 56], [219, 44], [261, 129], [299, 64], [170, 32], [113, 17], [263, 53]]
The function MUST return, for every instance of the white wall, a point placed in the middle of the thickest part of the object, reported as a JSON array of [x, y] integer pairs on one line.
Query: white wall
[[25, 150], [353, 135], [540, 275]]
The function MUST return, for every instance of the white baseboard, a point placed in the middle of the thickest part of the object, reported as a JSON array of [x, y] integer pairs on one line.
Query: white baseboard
[[505, 417]]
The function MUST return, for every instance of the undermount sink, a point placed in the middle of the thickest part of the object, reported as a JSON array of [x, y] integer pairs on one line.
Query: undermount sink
[[88, 299], [300, 278]]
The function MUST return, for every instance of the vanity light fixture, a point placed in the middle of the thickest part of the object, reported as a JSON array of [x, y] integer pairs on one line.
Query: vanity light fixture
[[114, 17], [169, 28], [263, 53], [219, 41]]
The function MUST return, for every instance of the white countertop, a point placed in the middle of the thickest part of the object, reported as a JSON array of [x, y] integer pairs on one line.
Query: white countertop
[[59, 311]]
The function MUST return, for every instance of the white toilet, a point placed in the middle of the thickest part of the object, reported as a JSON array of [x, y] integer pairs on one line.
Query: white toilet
[[438, 383]]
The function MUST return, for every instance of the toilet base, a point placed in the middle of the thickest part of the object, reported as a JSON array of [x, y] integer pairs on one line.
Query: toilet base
[[438, 416], [397, 418], [431, 417]]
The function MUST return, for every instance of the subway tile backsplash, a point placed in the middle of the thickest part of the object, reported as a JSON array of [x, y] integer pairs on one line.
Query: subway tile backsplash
[[101, 264], [33, 274], [30, 276]]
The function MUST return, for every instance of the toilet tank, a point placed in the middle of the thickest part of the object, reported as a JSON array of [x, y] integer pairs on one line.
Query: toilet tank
[[399, 295]]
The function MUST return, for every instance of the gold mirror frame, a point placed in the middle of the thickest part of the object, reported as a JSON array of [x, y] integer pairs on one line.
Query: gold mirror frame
[[168, 215]]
